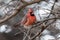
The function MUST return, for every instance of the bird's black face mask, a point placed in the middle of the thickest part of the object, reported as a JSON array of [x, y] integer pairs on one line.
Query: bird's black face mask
[[31, 14]]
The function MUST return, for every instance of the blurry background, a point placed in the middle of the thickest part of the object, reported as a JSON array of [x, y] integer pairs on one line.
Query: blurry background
[[7, 7]]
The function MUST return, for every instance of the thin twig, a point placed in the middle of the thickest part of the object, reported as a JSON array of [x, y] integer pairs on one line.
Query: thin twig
[[17, 11], [39, 33]]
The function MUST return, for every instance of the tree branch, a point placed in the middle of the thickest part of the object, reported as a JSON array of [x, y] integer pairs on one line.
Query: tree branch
[[17, 11], [39, 33]]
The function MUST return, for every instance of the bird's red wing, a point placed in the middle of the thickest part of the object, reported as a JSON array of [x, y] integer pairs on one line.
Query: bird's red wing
[[24, 20]]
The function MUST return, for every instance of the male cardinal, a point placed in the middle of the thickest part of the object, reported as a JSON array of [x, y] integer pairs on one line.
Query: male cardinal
[[29, 19]]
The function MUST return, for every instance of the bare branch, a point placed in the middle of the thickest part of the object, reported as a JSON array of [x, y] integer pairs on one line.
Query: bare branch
[[39, 33], [17, 11], [24, 1]]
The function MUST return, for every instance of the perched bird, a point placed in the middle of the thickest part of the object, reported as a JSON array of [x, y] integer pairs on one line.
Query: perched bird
[[29, 19]]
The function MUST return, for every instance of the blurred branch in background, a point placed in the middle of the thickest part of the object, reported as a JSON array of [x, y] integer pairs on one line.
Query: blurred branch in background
[[41, 25], [17, 11]]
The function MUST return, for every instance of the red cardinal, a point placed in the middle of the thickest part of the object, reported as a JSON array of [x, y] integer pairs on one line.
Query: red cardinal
[[29, 19]]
